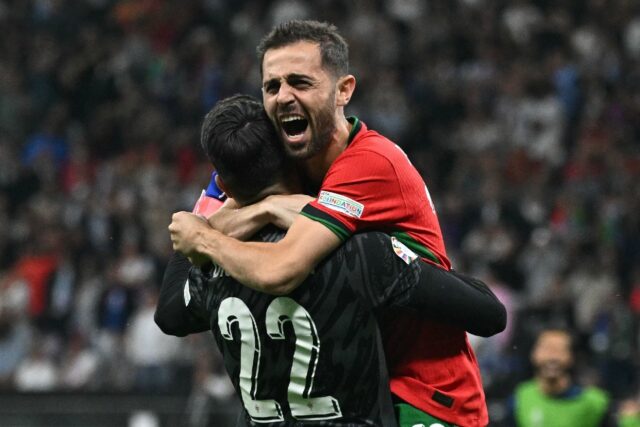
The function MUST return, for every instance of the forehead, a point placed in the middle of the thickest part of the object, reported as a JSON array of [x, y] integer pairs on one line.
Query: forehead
[[298, 58], [554, 340]]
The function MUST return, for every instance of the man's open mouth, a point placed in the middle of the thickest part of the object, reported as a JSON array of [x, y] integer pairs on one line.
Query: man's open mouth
[[294, 125]]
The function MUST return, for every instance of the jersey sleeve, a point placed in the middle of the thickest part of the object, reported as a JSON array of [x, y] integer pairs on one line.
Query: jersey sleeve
[[456, 299], [181, 310], [393, 276], [378, 275], [361, 189]]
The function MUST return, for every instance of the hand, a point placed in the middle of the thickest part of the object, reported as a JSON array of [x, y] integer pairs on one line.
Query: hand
[[185, 230]]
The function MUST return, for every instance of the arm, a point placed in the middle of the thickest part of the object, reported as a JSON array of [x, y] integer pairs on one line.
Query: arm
[[172, 315], [274, 268], [457, 299], [392, 276], [243, 222], [239, 223], [284, 209]]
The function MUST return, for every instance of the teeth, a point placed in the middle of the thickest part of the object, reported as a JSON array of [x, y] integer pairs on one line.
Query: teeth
[[285, 119]]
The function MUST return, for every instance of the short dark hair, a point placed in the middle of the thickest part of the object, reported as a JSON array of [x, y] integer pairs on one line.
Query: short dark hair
[[334, 49], [243, 146]]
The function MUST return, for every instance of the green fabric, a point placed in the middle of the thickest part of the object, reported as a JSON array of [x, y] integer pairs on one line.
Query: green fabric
[[408, 416], [416, 246], [629, 421], [342, 235], [355, 128], [535, 409]]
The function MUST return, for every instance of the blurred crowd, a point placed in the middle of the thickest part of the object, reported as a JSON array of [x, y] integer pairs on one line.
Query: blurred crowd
[[523, 117]]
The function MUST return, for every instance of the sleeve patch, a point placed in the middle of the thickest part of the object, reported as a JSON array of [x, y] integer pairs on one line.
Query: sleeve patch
[[186, 293], [403, 252], [341, 204]]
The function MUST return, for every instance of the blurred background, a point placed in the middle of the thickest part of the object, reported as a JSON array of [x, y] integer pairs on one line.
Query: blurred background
[[523, 117]]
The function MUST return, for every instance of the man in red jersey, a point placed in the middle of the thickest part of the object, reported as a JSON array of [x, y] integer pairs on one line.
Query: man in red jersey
[[367, 183]]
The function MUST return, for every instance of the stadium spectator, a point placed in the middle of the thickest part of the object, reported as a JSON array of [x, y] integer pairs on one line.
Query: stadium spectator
[[629, 413], [552, 397], [150, 351], [79, 366], [38, 372]]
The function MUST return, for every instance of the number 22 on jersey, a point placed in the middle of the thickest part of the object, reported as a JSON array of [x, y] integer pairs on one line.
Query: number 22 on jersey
[[307, 351]]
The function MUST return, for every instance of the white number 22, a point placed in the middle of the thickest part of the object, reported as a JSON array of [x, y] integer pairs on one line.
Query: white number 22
[[305, 358]]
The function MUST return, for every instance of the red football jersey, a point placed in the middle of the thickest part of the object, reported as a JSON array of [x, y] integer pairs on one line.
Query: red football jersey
[[372, 185]]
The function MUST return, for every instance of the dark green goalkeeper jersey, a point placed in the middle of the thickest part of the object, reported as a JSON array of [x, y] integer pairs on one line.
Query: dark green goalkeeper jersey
[[314, 357], [316, 354]]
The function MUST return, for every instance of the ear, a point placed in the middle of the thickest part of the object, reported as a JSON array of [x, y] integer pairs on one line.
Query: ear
[[222, 186], [344, 89]]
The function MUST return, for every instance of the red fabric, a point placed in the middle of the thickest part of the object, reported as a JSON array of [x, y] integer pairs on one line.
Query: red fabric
[[375, 172], [634, 299], [423, 356], [37, 271], [187, 164]]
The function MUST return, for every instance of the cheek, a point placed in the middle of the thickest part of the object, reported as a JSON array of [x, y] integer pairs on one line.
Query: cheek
[[269, 106]]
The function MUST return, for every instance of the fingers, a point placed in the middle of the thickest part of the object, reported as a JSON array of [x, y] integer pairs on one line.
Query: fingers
[[174, 230], [183, 230], [174, 218]]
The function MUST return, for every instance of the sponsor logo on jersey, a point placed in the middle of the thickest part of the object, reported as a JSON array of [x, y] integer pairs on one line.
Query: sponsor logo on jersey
[[403, 252], [341, 204]]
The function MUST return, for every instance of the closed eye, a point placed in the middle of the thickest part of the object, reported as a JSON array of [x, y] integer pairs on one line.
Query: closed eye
[[271, 86], [299, 83]]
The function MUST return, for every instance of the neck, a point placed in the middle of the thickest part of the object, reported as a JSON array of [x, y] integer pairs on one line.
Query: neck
[[317, 166], [554, 386]]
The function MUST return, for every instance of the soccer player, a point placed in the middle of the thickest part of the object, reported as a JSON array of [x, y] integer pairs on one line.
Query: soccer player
[[368, 183], [316, 354]]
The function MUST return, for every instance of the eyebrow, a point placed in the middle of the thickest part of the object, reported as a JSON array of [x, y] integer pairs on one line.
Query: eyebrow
[[288, 77], [299, 76]]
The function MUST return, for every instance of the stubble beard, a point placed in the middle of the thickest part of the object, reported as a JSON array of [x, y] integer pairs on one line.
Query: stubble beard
[[322, 127]]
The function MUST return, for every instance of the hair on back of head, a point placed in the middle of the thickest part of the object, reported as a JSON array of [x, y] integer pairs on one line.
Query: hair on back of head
[[333, 47], [242, 144]]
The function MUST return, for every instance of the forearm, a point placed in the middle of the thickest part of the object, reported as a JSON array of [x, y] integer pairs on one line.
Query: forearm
[[240, 223], [243, 222], [264, 267], [456, 299], [284, 209], [172, 316], [275, 268]]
